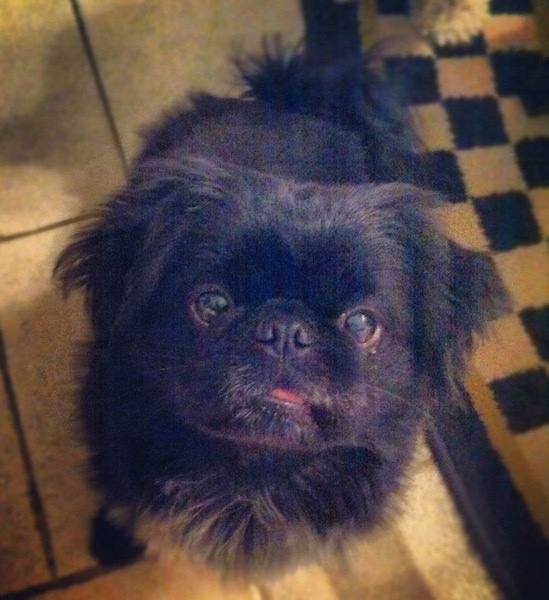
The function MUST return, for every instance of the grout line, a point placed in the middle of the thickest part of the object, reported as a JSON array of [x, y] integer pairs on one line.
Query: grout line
[[61, 583], [35, 500], [96, 73], [23, 234]]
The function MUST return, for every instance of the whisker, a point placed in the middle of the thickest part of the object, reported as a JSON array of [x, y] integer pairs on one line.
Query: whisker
[[403, 399]]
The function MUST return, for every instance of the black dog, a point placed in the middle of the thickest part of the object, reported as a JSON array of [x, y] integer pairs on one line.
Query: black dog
[[273, 308]]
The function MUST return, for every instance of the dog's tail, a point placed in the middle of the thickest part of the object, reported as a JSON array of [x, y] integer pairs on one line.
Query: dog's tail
[[330, 77]]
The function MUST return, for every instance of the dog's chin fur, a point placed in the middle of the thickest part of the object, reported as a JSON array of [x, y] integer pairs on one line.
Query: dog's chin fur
[[274, 311]]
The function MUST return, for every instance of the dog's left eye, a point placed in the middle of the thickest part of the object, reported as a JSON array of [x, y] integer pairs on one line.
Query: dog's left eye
[[210, 305], [363, 326]]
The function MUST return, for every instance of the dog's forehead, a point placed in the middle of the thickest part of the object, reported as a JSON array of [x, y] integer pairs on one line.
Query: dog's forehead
[[323, 244], [326, 270]]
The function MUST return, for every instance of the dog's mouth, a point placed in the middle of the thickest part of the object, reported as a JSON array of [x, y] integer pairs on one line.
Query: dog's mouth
[[288, 397], [282, 419]]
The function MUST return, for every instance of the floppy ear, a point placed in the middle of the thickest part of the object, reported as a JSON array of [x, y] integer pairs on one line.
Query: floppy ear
[[119, 259], [461, 292], [97, 261], [454, 292]]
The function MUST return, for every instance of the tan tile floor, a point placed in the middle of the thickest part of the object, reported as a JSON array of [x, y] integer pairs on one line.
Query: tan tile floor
[[58, 157], [56, 144]]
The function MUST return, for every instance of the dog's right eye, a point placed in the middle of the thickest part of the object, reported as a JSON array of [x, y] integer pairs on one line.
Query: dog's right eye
[[210, 305]]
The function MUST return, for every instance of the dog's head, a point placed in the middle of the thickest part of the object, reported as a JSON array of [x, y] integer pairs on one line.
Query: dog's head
[[279, 314]]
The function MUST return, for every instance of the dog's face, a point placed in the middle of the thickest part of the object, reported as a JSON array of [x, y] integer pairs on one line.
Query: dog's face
[[285, 323], [292, 317]]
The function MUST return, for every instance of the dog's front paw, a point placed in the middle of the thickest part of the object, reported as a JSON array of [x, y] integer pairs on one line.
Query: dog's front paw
[[111, 544]]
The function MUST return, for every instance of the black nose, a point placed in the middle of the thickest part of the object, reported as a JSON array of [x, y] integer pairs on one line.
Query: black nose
[[284, 336]]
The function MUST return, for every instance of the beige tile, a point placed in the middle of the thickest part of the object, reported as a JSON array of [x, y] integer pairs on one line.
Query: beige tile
[[433, 127], [540, 206], [511, 32], [21, 558], [41, 332], [307, 582], [499, 172], [436, 541], [465, 77], [505, 350], [380, 567], [525, 273], [153, 52], [520, 125], [57, 158], [462, 223], [153, 581]]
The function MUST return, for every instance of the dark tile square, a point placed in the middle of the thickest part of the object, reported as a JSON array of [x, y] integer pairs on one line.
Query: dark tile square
[[442, 173], [533, 159], [510, 6], [475, 122], [507, 220], [523, 399], [393, 7], [415, 78], [476, 47], [535, 97], [512, 71], [536, 323]]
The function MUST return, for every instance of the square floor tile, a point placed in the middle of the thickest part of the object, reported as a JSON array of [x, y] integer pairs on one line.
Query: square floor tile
[[461, 222], [475, 122], [498, 172], [511, 32], [57, 158], [432, 125], [533, 159], [512, 69], [522, 398], [148, 580], [525, 273], [153, 53], [22, 561], [536, 323], [380, 567], [42, 334], [520, 125], [465, 77], [434, 534], [444, 175], [505, 349], [507, 220]]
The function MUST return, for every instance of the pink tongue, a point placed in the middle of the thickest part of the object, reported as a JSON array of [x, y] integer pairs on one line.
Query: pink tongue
[[284, 395]]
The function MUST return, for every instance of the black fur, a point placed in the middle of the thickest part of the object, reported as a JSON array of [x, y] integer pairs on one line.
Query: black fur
[[293, 202]]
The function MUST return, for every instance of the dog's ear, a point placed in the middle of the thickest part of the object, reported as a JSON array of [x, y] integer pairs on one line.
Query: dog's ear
[[97, 261], [458, 304], [460, 292], [120, 257], [455, 292]]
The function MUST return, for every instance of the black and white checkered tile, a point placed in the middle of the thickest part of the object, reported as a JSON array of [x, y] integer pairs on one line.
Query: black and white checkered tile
[[479, 112]]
